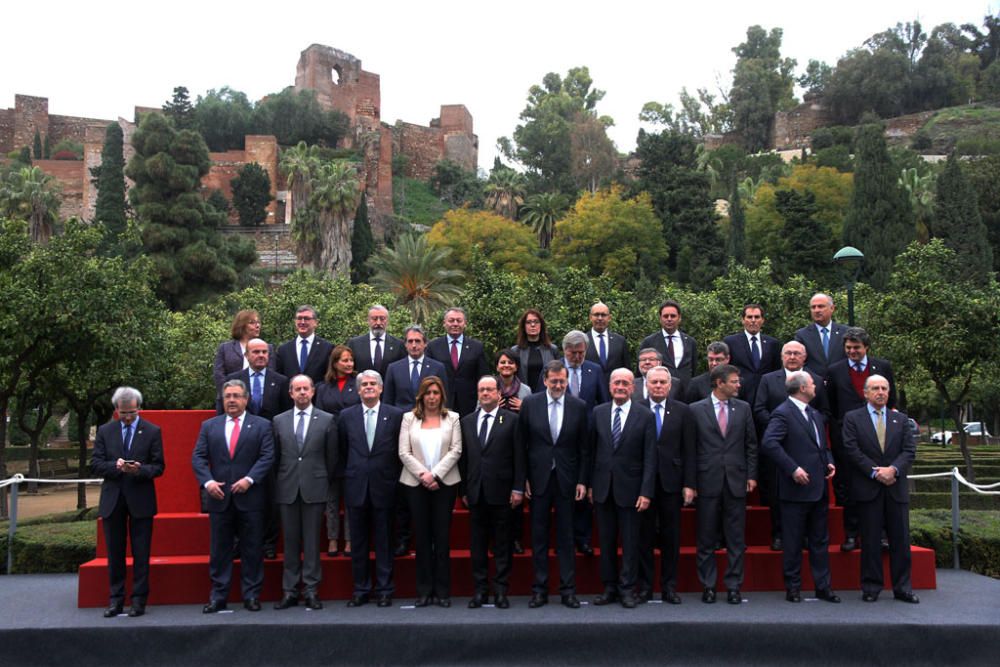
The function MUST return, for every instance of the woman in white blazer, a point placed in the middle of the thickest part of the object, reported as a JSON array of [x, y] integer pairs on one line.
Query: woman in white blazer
[[430, 444]]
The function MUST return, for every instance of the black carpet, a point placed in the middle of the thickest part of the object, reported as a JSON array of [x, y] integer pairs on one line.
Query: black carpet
[[956, 624]]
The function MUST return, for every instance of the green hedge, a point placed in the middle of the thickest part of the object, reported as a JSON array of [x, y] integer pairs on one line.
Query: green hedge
[[967, 500], [51, 543], [978, 540]]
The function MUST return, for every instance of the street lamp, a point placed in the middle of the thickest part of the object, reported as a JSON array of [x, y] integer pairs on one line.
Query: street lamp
[[850, 259]]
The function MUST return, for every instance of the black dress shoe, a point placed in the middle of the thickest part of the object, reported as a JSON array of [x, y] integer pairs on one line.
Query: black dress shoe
[[906, 596], [585, 549], [538, 600], [286, 602], [384, 601], [137, 609], [828, 595], [214, 606], [253, 604], [477, 601], [869, 597], [607, 597], [776, 544], [358, 600], [422, 601], [113, 610], [333, 553], [401, 550], [850, 544], [793, 595], [270, 554], [733, 596], [570, 601], [313, 602], [444, 602], [644, 596], [518, 547], [502, 602], [708, 595], [629, 601], [670, 597]]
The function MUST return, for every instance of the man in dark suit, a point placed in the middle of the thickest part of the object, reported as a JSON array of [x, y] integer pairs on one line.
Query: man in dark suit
[[464, 360], [306, 447], [771, 393], [493, 470], [753, 352], [651, 358], [604, 347], [700, 386], [268, 387], [231, 458], [128, 454], [880, 448], [622, 482], [369, 438], [403, 377], [823, 337], [376, 349], [726, 446], [845, 382], [680, 353], [554, 429], [795, 440], [675, 481], [306, 353]]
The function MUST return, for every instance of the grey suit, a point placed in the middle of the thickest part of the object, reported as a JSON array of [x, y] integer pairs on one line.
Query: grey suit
[[302, 482]]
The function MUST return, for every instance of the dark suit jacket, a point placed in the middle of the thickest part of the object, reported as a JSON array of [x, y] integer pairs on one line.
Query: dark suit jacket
[[593, 388], [330, 398], [275, 397], [698, 388], [492, 472], [843, 397], [229, 359], [771, 393], [372, 473], [628, 471], [462, 381], [729, 459], [639, 391], [399, 391], [617, 351], [307, 472], [739, 356], [790, 441], [138, 490], [570, 452], [253, 458], [392, 350], [316, 362], [816, 361], [675, 448], [862, 450], [689, 361]]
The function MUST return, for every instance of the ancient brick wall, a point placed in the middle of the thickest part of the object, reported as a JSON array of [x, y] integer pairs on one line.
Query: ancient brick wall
[[339, 82], [792, 129], [424, 146], [262, 149], [7, 132], [30, 114], [70, 176]]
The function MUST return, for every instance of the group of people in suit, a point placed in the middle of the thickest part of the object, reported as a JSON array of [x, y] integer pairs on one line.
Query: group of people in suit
[[398, 429]]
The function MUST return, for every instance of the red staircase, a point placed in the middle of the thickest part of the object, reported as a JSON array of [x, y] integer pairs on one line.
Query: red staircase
[[179, 564]]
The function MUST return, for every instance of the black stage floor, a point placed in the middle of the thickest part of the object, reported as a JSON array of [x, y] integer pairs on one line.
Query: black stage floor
[[956, 624]]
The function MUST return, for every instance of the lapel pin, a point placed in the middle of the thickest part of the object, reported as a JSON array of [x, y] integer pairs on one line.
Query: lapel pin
[[499, 419]]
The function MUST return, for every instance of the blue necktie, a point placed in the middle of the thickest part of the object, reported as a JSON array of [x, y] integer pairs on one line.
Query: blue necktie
[[754, 352], [616, 428], [257, 393], [826, 342], [415, 377], [659, 419], [603, 351], [303, 355], [484, 430], [127, 439]]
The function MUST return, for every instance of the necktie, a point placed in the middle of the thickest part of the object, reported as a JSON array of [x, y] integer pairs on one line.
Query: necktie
[[370, 427], [857, 367], [754, 352], [303, 355], [826, 342], [300, 430], [603, 351], [377, 359], [415, 377], [659, 419], [616, 428], [484, 430], [575, 389], [256, 393], [880, 430], [812, 424], [234, 436], [670, 351], [454, 353], [723, 417], [554, 421], [127, 440]]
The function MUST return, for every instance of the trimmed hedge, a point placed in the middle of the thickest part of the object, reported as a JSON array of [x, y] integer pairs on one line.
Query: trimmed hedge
[[967, 500], [978, 539], [51, 543]]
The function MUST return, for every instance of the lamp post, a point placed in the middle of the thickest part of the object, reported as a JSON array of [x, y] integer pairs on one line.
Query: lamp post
[[850, 259]]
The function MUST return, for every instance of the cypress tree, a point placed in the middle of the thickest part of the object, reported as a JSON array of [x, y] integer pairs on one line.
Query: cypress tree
[[362, 244], [110, 209], [958, 223], [46, 151], [737, 225], [807, 244], [37, 146]]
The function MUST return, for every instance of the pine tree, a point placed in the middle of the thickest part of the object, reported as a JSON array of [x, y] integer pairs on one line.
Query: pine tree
[[110, 209], [958, 223], [807, 243], [362, 244], [179, 109]]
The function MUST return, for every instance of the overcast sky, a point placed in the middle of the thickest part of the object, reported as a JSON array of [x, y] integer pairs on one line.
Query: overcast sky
[[101, 59]]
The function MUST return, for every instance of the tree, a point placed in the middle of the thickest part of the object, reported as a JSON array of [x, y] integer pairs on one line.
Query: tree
[[808, 243], [293, 116], [362, 244], [691, 118], [336, 191], [192, 261], [251, 194], [508, 244], [30, 194], [415, 274], [984, 173], [737, 227], [455, 185], [879, 220], [37, 146], [593, 157], [505, 192], [224, 118], [763, 83], [957, 222], [816, 76], [46, 151], [179, 109], [612, 236], [110, 208], [541, 212]]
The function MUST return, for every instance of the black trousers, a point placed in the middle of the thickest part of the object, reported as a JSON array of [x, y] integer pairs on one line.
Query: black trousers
[[228, 525], [842, 485], [432, 512], [614, 521], [660, 525], [365, 520], [118, 526], [486, 519], [768, 487], [732, 512], [800, 520], [542, 506], [885, 514]]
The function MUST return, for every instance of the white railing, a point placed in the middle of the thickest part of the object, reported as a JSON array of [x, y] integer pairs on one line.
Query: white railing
[[958, 479]]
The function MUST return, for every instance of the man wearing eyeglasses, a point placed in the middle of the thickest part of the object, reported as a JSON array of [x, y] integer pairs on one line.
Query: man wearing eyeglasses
[[307, 353]]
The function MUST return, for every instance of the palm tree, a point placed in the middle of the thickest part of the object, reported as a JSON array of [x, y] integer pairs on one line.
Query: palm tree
[[31, 194], [541, 211], [415, 273], [921, 192], [299, 164], [335, 198], [505, 192]]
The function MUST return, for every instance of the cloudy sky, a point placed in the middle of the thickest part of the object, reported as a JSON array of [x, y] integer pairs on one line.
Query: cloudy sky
[[102, 58]]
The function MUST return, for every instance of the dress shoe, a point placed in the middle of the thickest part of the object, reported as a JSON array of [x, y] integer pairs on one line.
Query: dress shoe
[[502, 602], [670, 597], [850, 544], [313, 602], [570, 601], [906, 596], [286, 602], [607, 597], [585, 549], [444, 602], [538, 600], [708, 595], [828, 595], [733, 596], [776, 544], [423, 601], [137, 609], [518, 547], [644, 596], [333, 553], [346, 553], [113, 610], [793, 595], [384, 601], [477, 601], [629, 601], [214, 606], [253, 604], [358, 600], [401, 550], [270, 554], [869, 597]]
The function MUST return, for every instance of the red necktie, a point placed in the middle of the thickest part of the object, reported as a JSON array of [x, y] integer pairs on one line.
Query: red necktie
[[234, 436], [454, 353]]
